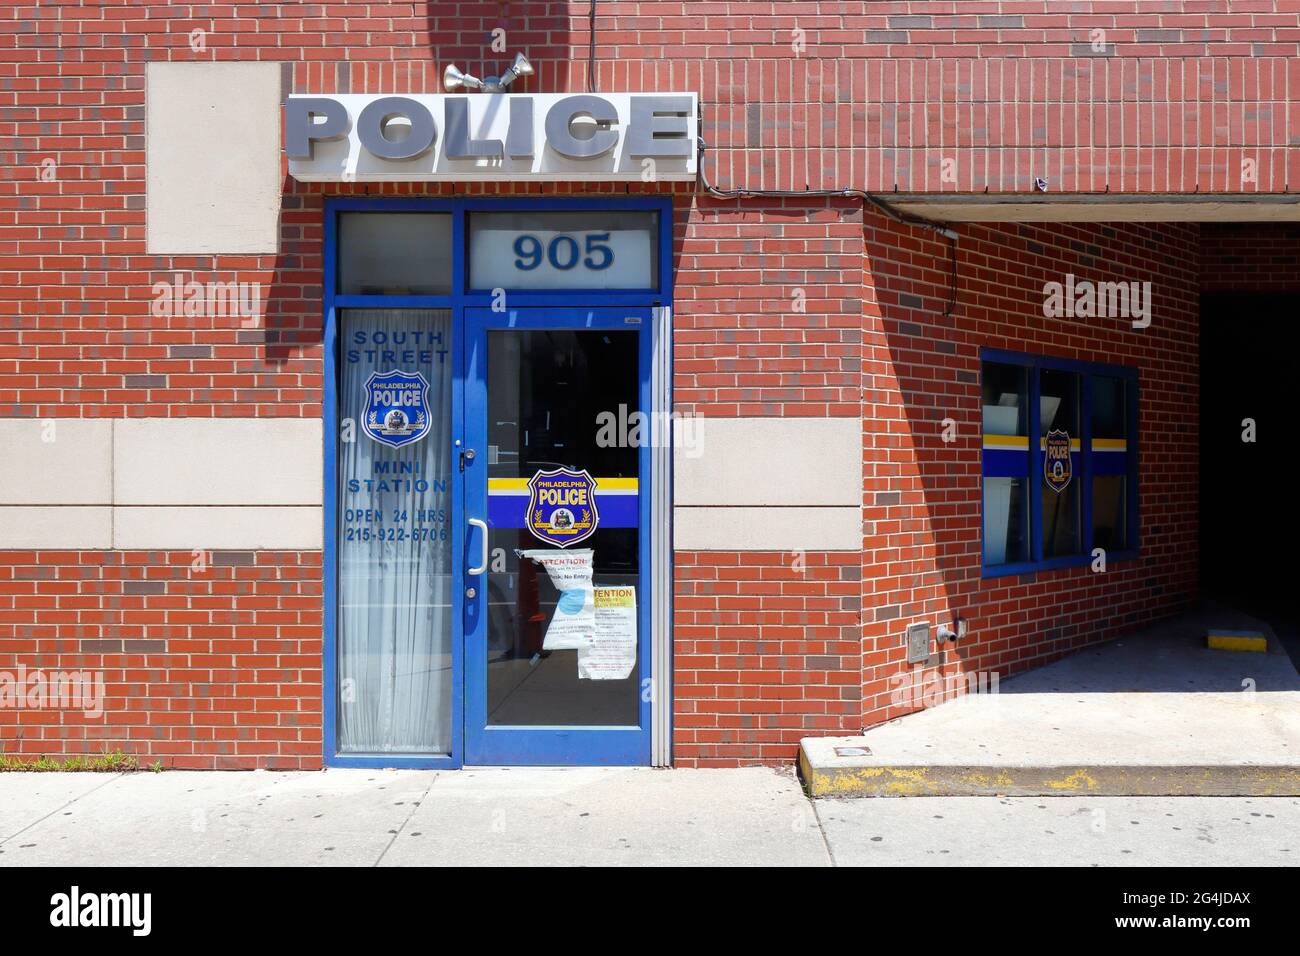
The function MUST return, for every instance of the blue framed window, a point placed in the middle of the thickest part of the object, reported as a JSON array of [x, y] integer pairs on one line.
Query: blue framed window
[[1059, 462]]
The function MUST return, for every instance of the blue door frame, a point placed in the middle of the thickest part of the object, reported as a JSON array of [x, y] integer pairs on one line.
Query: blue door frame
[[606, 745], [547, 745]]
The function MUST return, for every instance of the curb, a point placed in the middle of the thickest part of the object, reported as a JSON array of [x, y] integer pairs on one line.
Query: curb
[[1223, 639], [1110, 781]]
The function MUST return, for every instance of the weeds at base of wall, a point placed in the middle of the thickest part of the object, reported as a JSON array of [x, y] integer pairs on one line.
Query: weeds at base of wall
[[114, 762]]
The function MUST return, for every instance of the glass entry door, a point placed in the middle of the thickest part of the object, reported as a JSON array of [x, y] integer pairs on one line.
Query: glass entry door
[[556, 563]]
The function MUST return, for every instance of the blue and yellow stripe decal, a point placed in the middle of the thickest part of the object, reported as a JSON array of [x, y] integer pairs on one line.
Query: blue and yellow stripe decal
[[617, 501], [1109, 456], [1004, 455]]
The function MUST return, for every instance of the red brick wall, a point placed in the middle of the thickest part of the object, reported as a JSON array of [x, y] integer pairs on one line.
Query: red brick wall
[[766, 651], [746, 688], [767, 308], [214, 665], [922, 496], [879, 97], [767, 321], [1250, 257]]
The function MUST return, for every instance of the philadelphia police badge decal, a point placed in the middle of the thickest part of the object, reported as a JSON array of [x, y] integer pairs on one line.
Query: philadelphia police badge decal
[[397, 407], [1056, 460], [562, 506]]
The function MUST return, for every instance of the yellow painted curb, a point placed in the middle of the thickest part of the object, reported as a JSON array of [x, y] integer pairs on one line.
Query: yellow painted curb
[[1145, 781], [1237, 641]]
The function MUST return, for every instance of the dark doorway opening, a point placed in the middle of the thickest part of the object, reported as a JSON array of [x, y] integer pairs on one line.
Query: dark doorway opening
[[1248, 489]]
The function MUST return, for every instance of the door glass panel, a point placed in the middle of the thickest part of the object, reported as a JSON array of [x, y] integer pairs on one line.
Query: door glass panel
[[546, 390], [394, 500]]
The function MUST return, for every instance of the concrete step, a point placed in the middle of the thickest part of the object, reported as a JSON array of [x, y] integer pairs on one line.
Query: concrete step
[[839, 767], [1157, 713]]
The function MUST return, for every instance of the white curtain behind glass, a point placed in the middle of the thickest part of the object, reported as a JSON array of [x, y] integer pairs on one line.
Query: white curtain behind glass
[[395, 622]]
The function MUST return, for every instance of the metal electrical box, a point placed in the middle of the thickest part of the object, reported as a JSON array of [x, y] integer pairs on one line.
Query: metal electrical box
[[918, 643]]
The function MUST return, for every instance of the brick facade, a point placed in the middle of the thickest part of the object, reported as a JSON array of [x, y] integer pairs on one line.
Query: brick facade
[[209, 660], [1250, 257], [922, 495], [802, 307], [766, 649]]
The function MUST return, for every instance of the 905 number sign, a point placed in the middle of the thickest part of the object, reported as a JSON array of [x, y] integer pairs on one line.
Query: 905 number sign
[[564, 252]]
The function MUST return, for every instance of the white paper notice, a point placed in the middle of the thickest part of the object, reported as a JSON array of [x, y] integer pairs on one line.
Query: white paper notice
[[573, 627], [613, 655]]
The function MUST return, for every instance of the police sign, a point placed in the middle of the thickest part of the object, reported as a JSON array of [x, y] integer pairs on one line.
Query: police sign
[[1057, 469], [500, 137], [397, 407], [562, 506]]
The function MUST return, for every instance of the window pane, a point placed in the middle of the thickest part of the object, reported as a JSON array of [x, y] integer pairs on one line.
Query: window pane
[[394, 253], [1005, 396], [564, 250], [541, 385], [1109, 512], [1061, 521], [1004, 510], [1059, 435], [1059, 402], [1109, 463], [395, 624], [1108, 419]]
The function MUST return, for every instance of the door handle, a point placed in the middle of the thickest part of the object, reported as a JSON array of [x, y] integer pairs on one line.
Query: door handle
[[483, 555]]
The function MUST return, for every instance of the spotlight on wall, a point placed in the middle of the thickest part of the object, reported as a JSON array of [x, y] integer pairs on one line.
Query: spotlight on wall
[[520, 67], [454, 79]]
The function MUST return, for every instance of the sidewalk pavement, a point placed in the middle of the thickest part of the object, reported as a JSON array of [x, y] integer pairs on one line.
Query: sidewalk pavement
[[574, 816], [1155, 713], [603, 816]]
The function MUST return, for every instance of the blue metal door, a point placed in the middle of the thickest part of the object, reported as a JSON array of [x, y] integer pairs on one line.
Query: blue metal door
[[556, 545]]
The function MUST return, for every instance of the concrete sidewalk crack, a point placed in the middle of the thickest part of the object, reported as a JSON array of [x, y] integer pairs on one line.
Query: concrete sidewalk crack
[[60, 809], [402, 826], [830, 854]]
